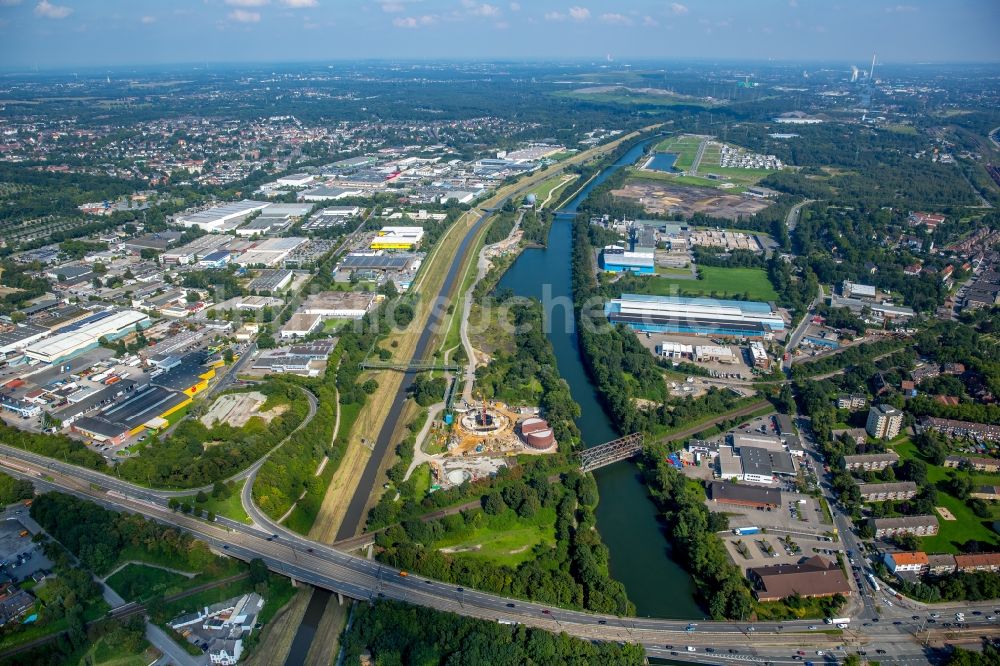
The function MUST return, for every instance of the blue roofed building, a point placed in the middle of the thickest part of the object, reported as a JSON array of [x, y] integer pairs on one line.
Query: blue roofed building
[[695, 316], [617, 260]]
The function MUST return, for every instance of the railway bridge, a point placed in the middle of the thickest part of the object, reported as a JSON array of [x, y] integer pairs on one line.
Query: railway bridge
[[611, 452]]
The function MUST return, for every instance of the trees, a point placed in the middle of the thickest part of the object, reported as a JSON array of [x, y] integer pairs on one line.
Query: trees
[[395, 633]]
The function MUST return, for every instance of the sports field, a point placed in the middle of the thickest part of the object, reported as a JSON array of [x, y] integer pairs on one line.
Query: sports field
[[750, 283]]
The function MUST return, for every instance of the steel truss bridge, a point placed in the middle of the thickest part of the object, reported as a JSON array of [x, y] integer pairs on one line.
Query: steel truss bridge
[[611, 452]]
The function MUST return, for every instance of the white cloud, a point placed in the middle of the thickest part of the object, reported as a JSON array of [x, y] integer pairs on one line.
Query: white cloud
[[900, 9], [414, 21], [579, 13], [300, 4], [616, 19], [486, 9], [515, 6], [650, 22], [501, 25], [554, 16], [46, 9], [391, 6], [9, 3], [678, 8], [148, 19], [246, 3], [243, 16]]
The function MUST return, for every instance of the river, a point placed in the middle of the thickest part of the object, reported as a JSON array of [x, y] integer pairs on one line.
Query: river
[[626, 517]]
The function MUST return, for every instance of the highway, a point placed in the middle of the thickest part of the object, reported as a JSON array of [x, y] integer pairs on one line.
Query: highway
[[359, 578]]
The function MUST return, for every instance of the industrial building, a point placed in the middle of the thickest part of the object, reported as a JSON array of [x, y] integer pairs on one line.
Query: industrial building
[[814, 577], [271, 279], [146, 408], [300, 325], [221, 218], [615, 259], [338, 304], [397, 238], [739, 495], [884, 421], [698, 316], [855, 290], [85, 334]]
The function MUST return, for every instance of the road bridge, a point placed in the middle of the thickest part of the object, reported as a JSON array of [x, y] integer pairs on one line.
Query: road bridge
[[611, 452], [310, 562]]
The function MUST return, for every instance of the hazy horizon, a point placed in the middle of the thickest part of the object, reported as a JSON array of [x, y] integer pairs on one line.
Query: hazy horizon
[[60, 34]]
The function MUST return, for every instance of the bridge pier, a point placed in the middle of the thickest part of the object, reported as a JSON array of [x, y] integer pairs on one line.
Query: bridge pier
[[340, 599]]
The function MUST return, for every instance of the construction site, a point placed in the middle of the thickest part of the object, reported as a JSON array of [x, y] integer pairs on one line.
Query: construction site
[[236, 409], [475, 442]]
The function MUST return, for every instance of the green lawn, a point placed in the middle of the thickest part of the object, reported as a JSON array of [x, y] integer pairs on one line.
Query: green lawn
[[230, 507], [676, 272], [178, 415], [504, 539], [685, 147], [333, 324], [546, 187], [717, 282], [421, 481], [967, 524], [138, 582], [104, 653]]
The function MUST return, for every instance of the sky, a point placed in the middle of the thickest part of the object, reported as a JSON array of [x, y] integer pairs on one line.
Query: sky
[[78, 33]]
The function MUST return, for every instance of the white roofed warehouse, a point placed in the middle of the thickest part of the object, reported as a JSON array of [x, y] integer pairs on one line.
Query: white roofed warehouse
[[86, 334], [697, 316]]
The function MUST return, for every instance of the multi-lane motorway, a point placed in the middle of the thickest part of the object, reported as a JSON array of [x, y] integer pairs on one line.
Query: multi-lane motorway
[[360, 578]]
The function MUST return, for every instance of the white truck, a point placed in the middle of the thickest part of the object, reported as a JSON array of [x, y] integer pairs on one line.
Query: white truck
[[838, 620]]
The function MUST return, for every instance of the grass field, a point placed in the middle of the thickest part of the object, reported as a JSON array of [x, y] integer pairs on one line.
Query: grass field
[[553, 185], [504, 539], [230, 507], [716, 282], [685, 147], [952, 533], [422, 481], [138, 582], [104, 653]]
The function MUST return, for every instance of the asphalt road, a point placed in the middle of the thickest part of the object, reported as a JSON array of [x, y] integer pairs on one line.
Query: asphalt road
[[359, 578]]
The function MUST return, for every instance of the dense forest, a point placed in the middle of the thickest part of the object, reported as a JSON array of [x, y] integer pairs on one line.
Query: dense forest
[[529, 375], [394, 633], [572, 572]]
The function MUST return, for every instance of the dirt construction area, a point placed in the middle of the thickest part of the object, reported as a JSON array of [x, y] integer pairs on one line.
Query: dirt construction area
[[667, 198], [236, 409]]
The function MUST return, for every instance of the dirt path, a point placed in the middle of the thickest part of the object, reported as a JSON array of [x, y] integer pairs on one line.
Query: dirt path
[[186, 574]]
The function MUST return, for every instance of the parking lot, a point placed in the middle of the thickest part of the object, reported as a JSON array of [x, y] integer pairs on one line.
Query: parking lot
[[20, 557], [737, 370], [772, 548]]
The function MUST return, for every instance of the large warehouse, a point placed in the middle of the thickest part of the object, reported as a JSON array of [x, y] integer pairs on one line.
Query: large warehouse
[[698, 316], [85, 334], [221, 218], [397, 238]]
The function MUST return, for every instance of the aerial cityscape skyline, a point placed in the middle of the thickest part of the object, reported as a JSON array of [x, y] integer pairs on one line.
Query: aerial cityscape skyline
[[64, 33]]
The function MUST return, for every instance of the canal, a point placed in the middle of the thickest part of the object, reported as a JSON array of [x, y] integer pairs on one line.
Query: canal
[[626, 517]]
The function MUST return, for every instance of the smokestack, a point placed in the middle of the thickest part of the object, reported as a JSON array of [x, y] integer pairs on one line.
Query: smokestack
[[871, 74]]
